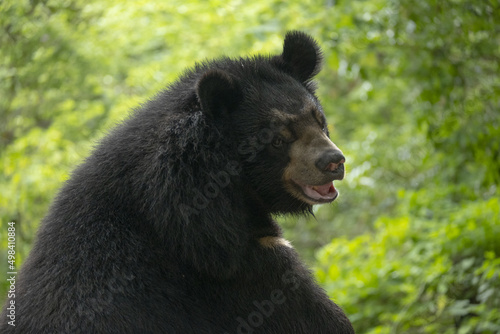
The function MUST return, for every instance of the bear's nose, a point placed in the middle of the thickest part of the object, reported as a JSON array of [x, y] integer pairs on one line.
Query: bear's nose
[[330, 160]]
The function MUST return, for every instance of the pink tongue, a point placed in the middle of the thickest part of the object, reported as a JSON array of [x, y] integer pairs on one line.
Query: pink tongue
[[325, 189]]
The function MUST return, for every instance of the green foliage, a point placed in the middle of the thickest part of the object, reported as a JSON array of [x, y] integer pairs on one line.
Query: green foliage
[[417, 87], [418, 275], [411, 88]]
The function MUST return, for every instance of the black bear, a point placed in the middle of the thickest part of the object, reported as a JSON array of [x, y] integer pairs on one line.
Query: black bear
[[167, 227]]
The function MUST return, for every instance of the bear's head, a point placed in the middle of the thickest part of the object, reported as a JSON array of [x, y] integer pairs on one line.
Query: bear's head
[[268, 108]]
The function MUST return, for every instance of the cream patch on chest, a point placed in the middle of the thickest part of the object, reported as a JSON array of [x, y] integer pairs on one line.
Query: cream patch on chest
[[272, 242]]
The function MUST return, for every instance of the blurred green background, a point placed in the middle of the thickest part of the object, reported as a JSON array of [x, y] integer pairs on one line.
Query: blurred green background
[[411, 89]]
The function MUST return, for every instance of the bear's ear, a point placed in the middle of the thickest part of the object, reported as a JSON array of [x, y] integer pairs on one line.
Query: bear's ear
[[301, 56], [217, 93]]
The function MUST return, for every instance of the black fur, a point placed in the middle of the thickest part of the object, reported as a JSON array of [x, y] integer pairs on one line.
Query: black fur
[[157, 231]]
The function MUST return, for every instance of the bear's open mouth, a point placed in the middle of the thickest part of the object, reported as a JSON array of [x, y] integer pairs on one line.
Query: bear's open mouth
[[319, 194]]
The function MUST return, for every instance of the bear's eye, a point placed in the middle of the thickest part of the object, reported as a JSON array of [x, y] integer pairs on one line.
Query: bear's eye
[[277, 142]]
